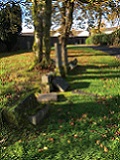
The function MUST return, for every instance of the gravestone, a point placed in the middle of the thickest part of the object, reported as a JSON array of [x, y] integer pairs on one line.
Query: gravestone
[[46, 88], [72, 64], [48, 97], [28, 109], [36, 118], [46, 82], [47, 78], [60, 83]]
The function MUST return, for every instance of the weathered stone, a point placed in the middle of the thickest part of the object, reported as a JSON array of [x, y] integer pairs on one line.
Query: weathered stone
[[19, 114], [36, 119], [47, 78], [60, 83], [46, 88], [48, 97], [72, 64]]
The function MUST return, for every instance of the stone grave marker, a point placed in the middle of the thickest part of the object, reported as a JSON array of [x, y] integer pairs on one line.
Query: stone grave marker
[[46, 88], [36, 118], [47, 78], [72, 64], [46, 82], [48, 97], [60, 83]]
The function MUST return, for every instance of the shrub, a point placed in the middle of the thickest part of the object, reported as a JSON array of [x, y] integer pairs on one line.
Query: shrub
[[89, 40], [99, 39], [96, 39], [115, 38]]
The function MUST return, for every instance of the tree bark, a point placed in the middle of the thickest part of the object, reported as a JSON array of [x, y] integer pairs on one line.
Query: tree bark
[[38, 33], [66, 22], [47, 25], [42, 24], [99, 20]]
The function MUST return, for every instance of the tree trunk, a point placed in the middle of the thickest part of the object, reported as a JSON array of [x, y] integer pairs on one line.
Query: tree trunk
[[47, 25], [37, 46], [99, 20], [38, 33], [64, 54], [42, 24], [66, 22]]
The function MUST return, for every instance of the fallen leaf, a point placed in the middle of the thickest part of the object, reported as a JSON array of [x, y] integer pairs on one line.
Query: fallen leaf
[[98, 142], [84, 115], [40, 150], [105, 149], [68, 141], [75, 135], [45, 148], [51, 139], [101, 145], [72, 123]]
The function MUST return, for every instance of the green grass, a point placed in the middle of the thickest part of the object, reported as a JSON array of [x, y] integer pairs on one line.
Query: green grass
[[82, 125]]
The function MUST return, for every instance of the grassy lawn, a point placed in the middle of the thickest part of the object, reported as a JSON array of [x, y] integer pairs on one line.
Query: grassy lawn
[[82, 125]]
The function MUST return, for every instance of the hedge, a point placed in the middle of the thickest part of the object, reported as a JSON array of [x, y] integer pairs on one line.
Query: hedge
[[105, 39]]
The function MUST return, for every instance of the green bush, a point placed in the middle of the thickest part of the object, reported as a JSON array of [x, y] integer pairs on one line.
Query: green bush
[[115, 38], [99, 39], [96, 39], [89, 40]]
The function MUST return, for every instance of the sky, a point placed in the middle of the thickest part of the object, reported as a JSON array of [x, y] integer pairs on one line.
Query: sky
[[26, 29]]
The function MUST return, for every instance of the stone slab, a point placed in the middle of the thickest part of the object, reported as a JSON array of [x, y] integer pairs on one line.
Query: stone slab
[[46, 88], [60, 83], [37, 118], [72, 64], [47, 97], [47, 78]]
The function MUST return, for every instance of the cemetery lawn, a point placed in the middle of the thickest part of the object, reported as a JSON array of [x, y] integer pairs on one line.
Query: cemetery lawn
[[85, 122]]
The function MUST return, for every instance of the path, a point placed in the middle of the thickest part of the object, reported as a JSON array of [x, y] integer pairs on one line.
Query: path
[[113, 51]]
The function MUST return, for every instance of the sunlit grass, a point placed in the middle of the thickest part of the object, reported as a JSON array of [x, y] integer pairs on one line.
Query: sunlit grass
[[83, 124]]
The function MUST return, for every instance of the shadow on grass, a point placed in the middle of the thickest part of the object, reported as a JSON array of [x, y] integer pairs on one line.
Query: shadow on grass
[[82, 73], [96, 108], [78, 85], [114, 51], [74, 127], [7, 54]]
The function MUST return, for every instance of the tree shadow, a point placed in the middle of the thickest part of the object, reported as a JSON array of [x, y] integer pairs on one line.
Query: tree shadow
[[81, 124], [8, 54], [78, 85], [82, 73], [114, 51], [86, 54], [98, 107]]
